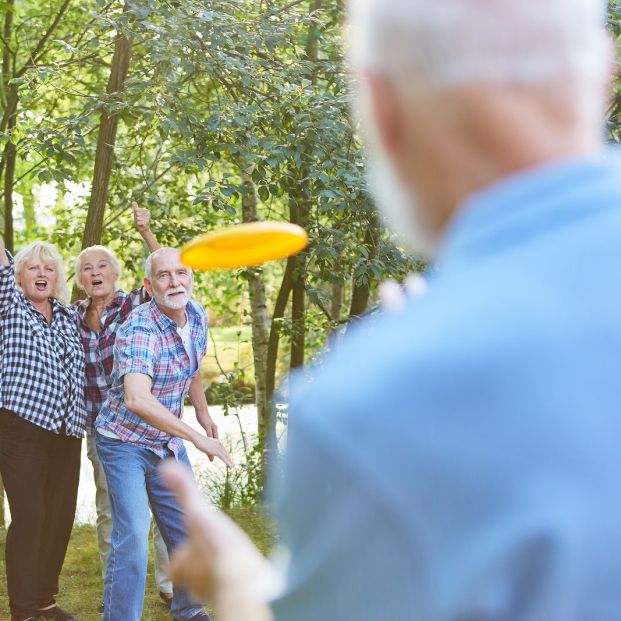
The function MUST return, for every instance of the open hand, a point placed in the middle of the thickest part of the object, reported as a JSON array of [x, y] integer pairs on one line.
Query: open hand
[[212, 447]]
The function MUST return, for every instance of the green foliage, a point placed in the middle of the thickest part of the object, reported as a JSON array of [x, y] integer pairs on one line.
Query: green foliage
[[215, 88]]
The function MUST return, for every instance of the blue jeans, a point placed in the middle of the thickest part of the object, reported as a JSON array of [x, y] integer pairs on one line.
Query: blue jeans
[[134, 482]]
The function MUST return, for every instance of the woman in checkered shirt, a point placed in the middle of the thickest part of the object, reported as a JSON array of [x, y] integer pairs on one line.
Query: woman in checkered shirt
[[99, 316], [42, 419]]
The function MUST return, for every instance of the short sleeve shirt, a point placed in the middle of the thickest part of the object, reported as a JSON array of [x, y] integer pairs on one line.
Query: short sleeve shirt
[[149, 343]]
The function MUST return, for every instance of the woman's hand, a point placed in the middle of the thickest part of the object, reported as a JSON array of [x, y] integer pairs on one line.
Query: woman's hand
[[142, 218]]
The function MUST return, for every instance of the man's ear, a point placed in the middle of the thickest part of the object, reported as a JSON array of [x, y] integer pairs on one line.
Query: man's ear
[[147, 285], [384, 109]]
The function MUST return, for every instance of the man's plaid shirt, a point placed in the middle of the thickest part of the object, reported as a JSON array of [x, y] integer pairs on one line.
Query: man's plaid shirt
[[98, 347], [41, 365], [149, 343]]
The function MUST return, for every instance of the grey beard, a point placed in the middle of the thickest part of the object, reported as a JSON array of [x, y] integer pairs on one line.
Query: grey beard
[[162, 299]]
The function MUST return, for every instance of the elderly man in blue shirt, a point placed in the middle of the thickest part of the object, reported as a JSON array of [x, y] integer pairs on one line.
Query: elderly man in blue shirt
[[459, 458]]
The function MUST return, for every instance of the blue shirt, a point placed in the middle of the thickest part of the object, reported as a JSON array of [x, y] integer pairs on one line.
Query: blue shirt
[[460, 459], [149, 343]]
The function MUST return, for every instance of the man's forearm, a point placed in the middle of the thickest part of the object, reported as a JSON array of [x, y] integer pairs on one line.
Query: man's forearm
[[199, 401], [197, 396], [236, 608], [153, 412]]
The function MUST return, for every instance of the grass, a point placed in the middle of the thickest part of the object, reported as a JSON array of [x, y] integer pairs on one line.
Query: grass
[[81, 584]]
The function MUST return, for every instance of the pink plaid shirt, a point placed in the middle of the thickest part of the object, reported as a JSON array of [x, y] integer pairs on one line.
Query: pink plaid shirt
[[149, 343], [98, 347]]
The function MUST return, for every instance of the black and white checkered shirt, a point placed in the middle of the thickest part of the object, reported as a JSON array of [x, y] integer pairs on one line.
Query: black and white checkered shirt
[[41, 365]]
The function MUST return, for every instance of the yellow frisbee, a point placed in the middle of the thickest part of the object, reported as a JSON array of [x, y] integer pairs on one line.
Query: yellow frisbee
[[244, 245]]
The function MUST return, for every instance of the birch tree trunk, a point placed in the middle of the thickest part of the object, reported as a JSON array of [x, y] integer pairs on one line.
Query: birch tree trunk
[[258, 310]]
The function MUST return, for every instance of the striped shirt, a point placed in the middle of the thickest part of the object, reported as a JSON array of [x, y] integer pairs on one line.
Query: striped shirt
[[98, 347], [41, 365], [149, 343]]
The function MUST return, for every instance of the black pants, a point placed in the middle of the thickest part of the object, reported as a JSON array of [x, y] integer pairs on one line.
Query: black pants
[[41, 471]]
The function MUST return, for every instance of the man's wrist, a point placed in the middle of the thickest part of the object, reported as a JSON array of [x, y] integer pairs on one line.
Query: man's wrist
[[195, 437]]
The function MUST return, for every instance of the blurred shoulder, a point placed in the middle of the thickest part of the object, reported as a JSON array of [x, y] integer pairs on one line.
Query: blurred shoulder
[[454, 339]]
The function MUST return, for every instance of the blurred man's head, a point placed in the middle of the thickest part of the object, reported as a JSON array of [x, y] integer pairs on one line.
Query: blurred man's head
[[456, 94]]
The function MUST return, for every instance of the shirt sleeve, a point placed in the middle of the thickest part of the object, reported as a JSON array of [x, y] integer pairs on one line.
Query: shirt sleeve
[[139, 296], [7, 285], [135, 350]]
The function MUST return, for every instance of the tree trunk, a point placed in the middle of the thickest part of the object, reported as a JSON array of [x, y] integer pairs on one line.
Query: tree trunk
[[258, 310], [298, 298], [362, 290], [10, 155], [9, 158], [105, 146], [279, 312], [7, 33], [10, 100], [297, 213], [336, 305]]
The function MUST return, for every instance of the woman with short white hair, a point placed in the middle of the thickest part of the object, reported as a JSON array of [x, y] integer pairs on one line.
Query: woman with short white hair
[[42, 420], [100, 314]]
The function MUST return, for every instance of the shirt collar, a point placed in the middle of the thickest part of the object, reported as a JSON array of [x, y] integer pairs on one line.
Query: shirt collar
[[57, 307], [81, 306], [527, 203], [60, 307]]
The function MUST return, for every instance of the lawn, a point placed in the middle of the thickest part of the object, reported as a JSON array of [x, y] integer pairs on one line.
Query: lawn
[[81, 585]]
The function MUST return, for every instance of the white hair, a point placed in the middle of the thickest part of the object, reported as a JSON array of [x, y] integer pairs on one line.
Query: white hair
[[42, 251], [148, 264], [429, 45], [114, 261]]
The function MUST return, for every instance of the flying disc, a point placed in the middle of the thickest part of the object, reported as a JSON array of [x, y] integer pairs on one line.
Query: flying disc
[[244, 245]]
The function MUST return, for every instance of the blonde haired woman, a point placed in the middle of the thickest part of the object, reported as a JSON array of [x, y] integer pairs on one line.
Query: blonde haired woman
[[42, 419]]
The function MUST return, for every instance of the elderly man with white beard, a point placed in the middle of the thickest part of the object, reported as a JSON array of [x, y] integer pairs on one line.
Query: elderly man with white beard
[[459, 459], [157, 357]]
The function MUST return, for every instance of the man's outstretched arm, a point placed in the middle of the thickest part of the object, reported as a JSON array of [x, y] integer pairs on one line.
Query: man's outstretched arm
[[218, 562]]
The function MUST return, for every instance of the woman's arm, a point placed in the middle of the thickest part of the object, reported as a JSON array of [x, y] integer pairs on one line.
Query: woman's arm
[[7, 279], [4, 259]]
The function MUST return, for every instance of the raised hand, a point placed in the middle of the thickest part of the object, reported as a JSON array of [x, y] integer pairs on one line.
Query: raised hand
[[142, 218]]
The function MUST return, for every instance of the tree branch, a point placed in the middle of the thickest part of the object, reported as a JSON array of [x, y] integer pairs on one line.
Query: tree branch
[[37, 51]]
